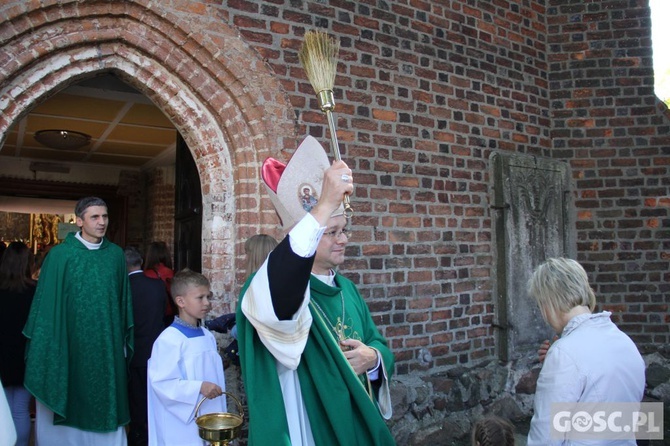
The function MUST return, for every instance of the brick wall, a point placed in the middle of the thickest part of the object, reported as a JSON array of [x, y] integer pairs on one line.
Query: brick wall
[[611, 128], [159, 223], [425, 91], [131, 186]]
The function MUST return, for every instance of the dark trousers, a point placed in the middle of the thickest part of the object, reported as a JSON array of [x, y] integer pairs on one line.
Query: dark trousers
[[137, 398]]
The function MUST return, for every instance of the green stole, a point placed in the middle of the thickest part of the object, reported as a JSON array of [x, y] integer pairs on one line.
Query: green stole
[[339, 407], [79, 324]]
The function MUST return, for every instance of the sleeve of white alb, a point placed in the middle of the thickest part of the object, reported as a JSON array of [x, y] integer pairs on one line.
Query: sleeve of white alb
[[305, 236]]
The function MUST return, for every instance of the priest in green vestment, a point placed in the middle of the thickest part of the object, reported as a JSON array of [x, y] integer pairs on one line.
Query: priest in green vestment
[[80, 336], [316, 369]]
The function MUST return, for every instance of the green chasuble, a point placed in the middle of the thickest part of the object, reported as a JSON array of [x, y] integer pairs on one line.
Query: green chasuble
[[341, 411], [79, 326]]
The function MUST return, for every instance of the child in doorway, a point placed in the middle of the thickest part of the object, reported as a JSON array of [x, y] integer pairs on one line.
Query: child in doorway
[[185, 366]]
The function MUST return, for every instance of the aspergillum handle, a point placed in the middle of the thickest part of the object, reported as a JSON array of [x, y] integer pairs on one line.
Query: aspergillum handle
[[327, 105]]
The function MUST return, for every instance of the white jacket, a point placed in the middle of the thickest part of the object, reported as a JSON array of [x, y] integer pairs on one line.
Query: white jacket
[[593, 361], [8, 437]]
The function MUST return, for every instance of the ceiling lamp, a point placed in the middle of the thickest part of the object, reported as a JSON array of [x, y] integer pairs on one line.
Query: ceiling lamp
[[62, 139]]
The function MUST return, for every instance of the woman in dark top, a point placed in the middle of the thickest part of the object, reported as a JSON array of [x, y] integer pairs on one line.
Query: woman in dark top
[[16, 294]]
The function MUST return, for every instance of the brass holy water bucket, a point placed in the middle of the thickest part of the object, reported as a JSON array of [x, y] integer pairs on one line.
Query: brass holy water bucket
[[219, 428]]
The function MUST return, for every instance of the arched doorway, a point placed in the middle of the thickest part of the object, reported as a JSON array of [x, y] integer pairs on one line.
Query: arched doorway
[[213, 87]]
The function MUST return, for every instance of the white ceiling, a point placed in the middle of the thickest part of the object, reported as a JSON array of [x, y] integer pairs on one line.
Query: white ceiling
[[127, 130]]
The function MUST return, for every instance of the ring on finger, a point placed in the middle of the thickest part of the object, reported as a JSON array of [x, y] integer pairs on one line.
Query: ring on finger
[[346, 178]]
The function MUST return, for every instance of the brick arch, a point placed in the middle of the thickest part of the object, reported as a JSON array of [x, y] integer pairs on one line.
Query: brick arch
[[214, 88]]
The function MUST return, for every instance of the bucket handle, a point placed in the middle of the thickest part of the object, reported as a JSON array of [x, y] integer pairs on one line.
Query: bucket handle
[[239, 405]]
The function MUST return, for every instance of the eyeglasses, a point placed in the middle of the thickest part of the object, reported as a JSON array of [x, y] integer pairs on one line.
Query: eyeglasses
[[336, 234]]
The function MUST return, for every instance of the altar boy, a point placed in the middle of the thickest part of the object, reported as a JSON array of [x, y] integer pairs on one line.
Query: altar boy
[[184, 367]]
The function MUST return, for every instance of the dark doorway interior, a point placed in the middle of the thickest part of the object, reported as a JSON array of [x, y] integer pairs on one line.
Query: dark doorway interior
[[188, 211], [55, 190]]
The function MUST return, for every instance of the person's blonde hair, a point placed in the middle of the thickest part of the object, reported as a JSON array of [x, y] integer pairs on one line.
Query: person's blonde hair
[[492, 430], [257, 249], [559, 285]]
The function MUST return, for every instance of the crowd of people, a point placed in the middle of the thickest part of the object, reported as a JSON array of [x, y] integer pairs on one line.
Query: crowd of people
[[118, 348], [96, 338]]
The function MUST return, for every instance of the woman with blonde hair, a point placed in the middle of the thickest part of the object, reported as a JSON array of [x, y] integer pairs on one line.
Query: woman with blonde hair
[[257, 249], [592, 361]]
